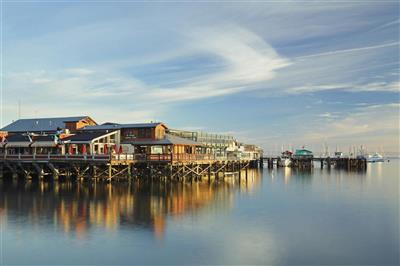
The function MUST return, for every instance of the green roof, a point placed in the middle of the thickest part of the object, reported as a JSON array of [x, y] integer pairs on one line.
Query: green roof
[[303, 152]]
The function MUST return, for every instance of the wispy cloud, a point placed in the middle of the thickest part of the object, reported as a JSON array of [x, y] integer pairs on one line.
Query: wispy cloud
[[386, 25], [374, 126], [246, 60], [374, 86], [327, 115], [352, 50]]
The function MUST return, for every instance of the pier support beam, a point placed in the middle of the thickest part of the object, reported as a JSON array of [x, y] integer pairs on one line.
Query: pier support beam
[[39, 170], [54, 170]]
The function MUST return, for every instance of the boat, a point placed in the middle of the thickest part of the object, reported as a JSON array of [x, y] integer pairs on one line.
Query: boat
[[285, 159], [376, 157], [339, 154]]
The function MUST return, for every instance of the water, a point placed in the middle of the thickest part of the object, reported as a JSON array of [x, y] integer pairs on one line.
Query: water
[[277, 217]]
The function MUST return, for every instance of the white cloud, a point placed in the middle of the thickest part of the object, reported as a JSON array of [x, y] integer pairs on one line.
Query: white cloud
[[327, 115], [246, 59], [374, 86], [374, 126], [352, 50], [378, 86], [388, 24], [80, 71]]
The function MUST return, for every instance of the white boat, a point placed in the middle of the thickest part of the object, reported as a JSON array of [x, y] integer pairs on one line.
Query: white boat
[[375, 158], [339, 154], [285, 159], [285, 162]]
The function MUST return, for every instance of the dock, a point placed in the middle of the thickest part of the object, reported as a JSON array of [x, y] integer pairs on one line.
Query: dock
[[186, 167], [347, 163], [164, 167]]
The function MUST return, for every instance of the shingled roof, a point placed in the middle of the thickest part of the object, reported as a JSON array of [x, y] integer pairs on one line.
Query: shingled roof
[[114, 126], [18, 138], [87, 136], [168, 140], [40, 124]]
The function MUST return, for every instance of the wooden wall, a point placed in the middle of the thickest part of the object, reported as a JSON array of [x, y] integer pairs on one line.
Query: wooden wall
[[73, 126]]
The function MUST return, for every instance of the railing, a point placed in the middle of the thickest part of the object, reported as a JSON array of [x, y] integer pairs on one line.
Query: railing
[[141, 157], [194, 157], [174, 157], [164, 157], [55, 157], [116, 157]]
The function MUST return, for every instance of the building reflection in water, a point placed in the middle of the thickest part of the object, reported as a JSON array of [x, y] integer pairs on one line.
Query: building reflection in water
[[306, 176], [76, 207]]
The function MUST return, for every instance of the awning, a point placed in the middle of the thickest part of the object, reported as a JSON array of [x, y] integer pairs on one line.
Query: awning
[[168, 140], [18, 144], [43, 144]]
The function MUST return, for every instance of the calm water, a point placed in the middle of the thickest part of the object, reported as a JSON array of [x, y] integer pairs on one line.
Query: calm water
[[278, 216]]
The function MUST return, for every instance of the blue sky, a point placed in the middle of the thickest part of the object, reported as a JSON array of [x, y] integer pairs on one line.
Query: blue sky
[[304, 73]]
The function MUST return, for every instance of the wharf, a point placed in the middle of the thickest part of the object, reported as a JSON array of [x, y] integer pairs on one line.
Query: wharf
[[180, 167], [304, 163]]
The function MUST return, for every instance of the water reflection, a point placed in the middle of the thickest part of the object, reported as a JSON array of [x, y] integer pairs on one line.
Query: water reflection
[[76, 208], [288, 175]]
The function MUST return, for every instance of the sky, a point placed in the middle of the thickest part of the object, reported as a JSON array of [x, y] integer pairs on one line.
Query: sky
[[276, 74]]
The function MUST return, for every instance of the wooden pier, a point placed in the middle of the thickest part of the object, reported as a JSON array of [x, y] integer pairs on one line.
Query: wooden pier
[[323, 162], [178, 167]]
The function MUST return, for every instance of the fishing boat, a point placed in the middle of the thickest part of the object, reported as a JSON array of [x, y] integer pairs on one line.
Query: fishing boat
[[376, 157], [285, 159]]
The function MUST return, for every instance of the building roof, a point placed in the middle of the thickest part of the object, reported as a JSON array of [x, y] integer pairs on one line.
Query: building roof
[[44, 138], [110, 126], [18, 138], [86, 136], [40, 124], [30, 138], [303, 152], [168, 140]]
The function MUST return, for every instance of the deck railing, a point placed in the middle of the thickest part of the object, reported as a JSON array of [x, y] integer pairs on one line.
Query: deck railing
[[166, 157], [115, 157], [55, 157]]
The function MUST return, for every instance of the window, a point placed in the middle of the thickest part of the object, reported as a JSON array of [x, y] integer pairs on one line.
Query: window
[[144, 133]]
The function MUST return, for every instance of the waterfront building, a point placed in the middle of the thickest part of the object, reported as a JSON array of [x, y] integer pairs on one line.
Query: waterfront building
[[30, 144], [244, 151], [303, 154], [211, 143], [82, 135], [131, 132], [99, 142], [150, 138]]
